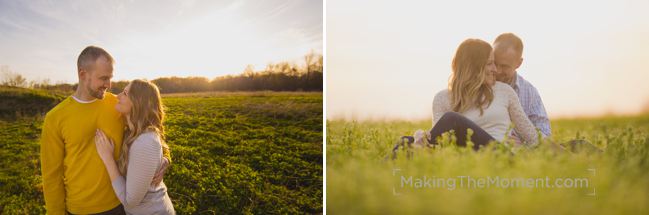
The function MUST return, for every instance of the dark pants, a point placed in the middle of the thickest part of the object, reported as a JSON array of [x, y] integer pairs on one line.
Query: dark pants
[[119, 210], [458, 123], [449, 121]]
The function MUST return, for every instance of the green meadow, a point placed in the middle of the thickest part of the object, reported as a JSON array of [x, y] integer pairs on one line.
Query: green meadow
[[498, 179], [232, 153]]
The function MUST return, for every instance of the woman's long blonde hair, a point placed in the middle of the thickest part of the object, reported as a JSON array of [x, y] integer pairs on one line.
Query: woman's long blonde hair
[[146, 115], [467, 84]]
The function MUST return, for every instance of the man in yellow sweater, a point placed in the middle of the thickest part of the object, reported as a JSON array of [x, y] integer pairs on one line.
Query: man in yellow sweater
[[74, 178]]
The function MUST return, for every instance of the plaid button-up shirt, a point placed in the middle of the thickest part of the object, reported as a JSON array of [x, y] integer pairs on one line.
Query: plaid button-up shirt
[[532, 105]]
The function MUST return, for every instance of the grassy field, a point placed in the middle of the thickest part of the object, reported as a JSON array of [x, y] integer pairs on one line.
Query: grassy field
[[493, 180], [233, 153]]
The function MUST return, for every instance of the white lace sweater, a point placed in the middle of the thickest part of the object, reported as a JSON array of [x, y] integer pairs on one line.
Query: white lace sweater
[[504, 109]]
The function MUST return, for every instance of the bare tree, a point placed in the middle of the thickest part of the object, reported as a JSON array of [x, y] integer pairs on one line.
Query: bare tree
[[12, 79]]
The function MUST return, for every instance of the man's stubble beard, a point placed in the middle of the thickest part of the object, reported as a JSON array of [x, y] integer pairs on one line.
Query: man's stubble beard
[[95, 93]]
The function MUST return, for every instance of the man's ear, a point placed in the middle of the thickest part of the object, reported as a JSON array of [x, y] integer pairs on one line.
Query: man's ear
[[83, 74], [520, 62]]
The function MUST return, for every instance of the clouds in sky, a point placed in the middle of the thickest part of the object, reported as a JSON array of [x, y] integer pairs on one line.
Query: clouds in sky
[[149, 39]]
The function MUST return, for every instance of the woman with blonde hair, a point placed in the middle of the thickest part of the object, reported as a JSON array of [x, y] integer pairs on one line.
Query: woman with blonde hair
[[475, 100], [142, 153]]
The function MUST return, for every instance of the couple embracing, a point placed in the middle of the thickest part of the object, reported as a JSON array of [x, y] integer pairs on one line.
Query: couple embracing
[[486, 94], [103, 153]]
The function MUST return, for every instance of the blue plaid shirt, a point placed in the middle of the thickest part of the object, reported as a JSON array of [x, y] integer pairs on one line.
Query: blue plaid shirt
[[532, 105]]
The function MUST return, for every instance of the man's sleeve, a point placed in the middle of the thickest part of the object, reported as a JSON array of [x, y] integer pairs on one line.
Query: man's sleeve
[[538, 116], [52, 152]]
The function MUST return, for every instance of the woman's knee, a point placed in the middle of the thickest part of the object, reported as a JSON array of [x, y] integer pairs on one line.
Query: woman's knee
[[450, 116]]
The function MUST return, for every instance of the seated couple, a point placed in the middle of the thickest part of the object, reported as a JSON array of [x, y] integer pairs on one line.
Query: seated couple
[[486, 94]]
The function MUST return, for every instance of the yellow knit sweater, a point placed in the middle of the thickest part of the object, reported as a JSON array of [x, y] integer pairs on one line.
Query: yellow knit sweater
[[74, 177]]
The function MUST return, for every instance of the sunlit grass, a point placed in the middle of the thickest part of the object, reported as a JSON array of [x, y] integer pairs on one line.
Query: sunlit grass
[[360, 180], [238, 153]]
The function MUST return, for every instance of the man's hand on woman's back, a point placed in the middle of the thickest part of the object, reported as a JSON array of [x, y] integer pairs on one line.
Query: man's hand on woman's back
[[157, 178]]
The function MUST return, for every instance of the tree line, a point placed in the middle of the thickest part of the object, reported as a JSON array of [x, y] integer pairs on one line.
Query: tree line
[[282, 76]]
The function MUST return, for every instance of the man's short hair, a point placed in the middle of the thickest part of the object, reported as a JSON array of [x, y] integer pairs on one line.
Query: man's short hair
[[510, 40], [89, 55]]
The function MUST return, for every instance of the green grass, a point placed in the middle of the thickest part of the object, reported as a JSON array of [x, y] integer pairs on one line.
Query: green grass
[[361, 181], [233, 153], [16, 102]]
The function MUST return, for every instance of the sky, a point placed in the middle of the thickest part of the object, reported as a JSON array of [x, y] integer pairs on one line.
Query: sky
[[150, 39], [387, 59]]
